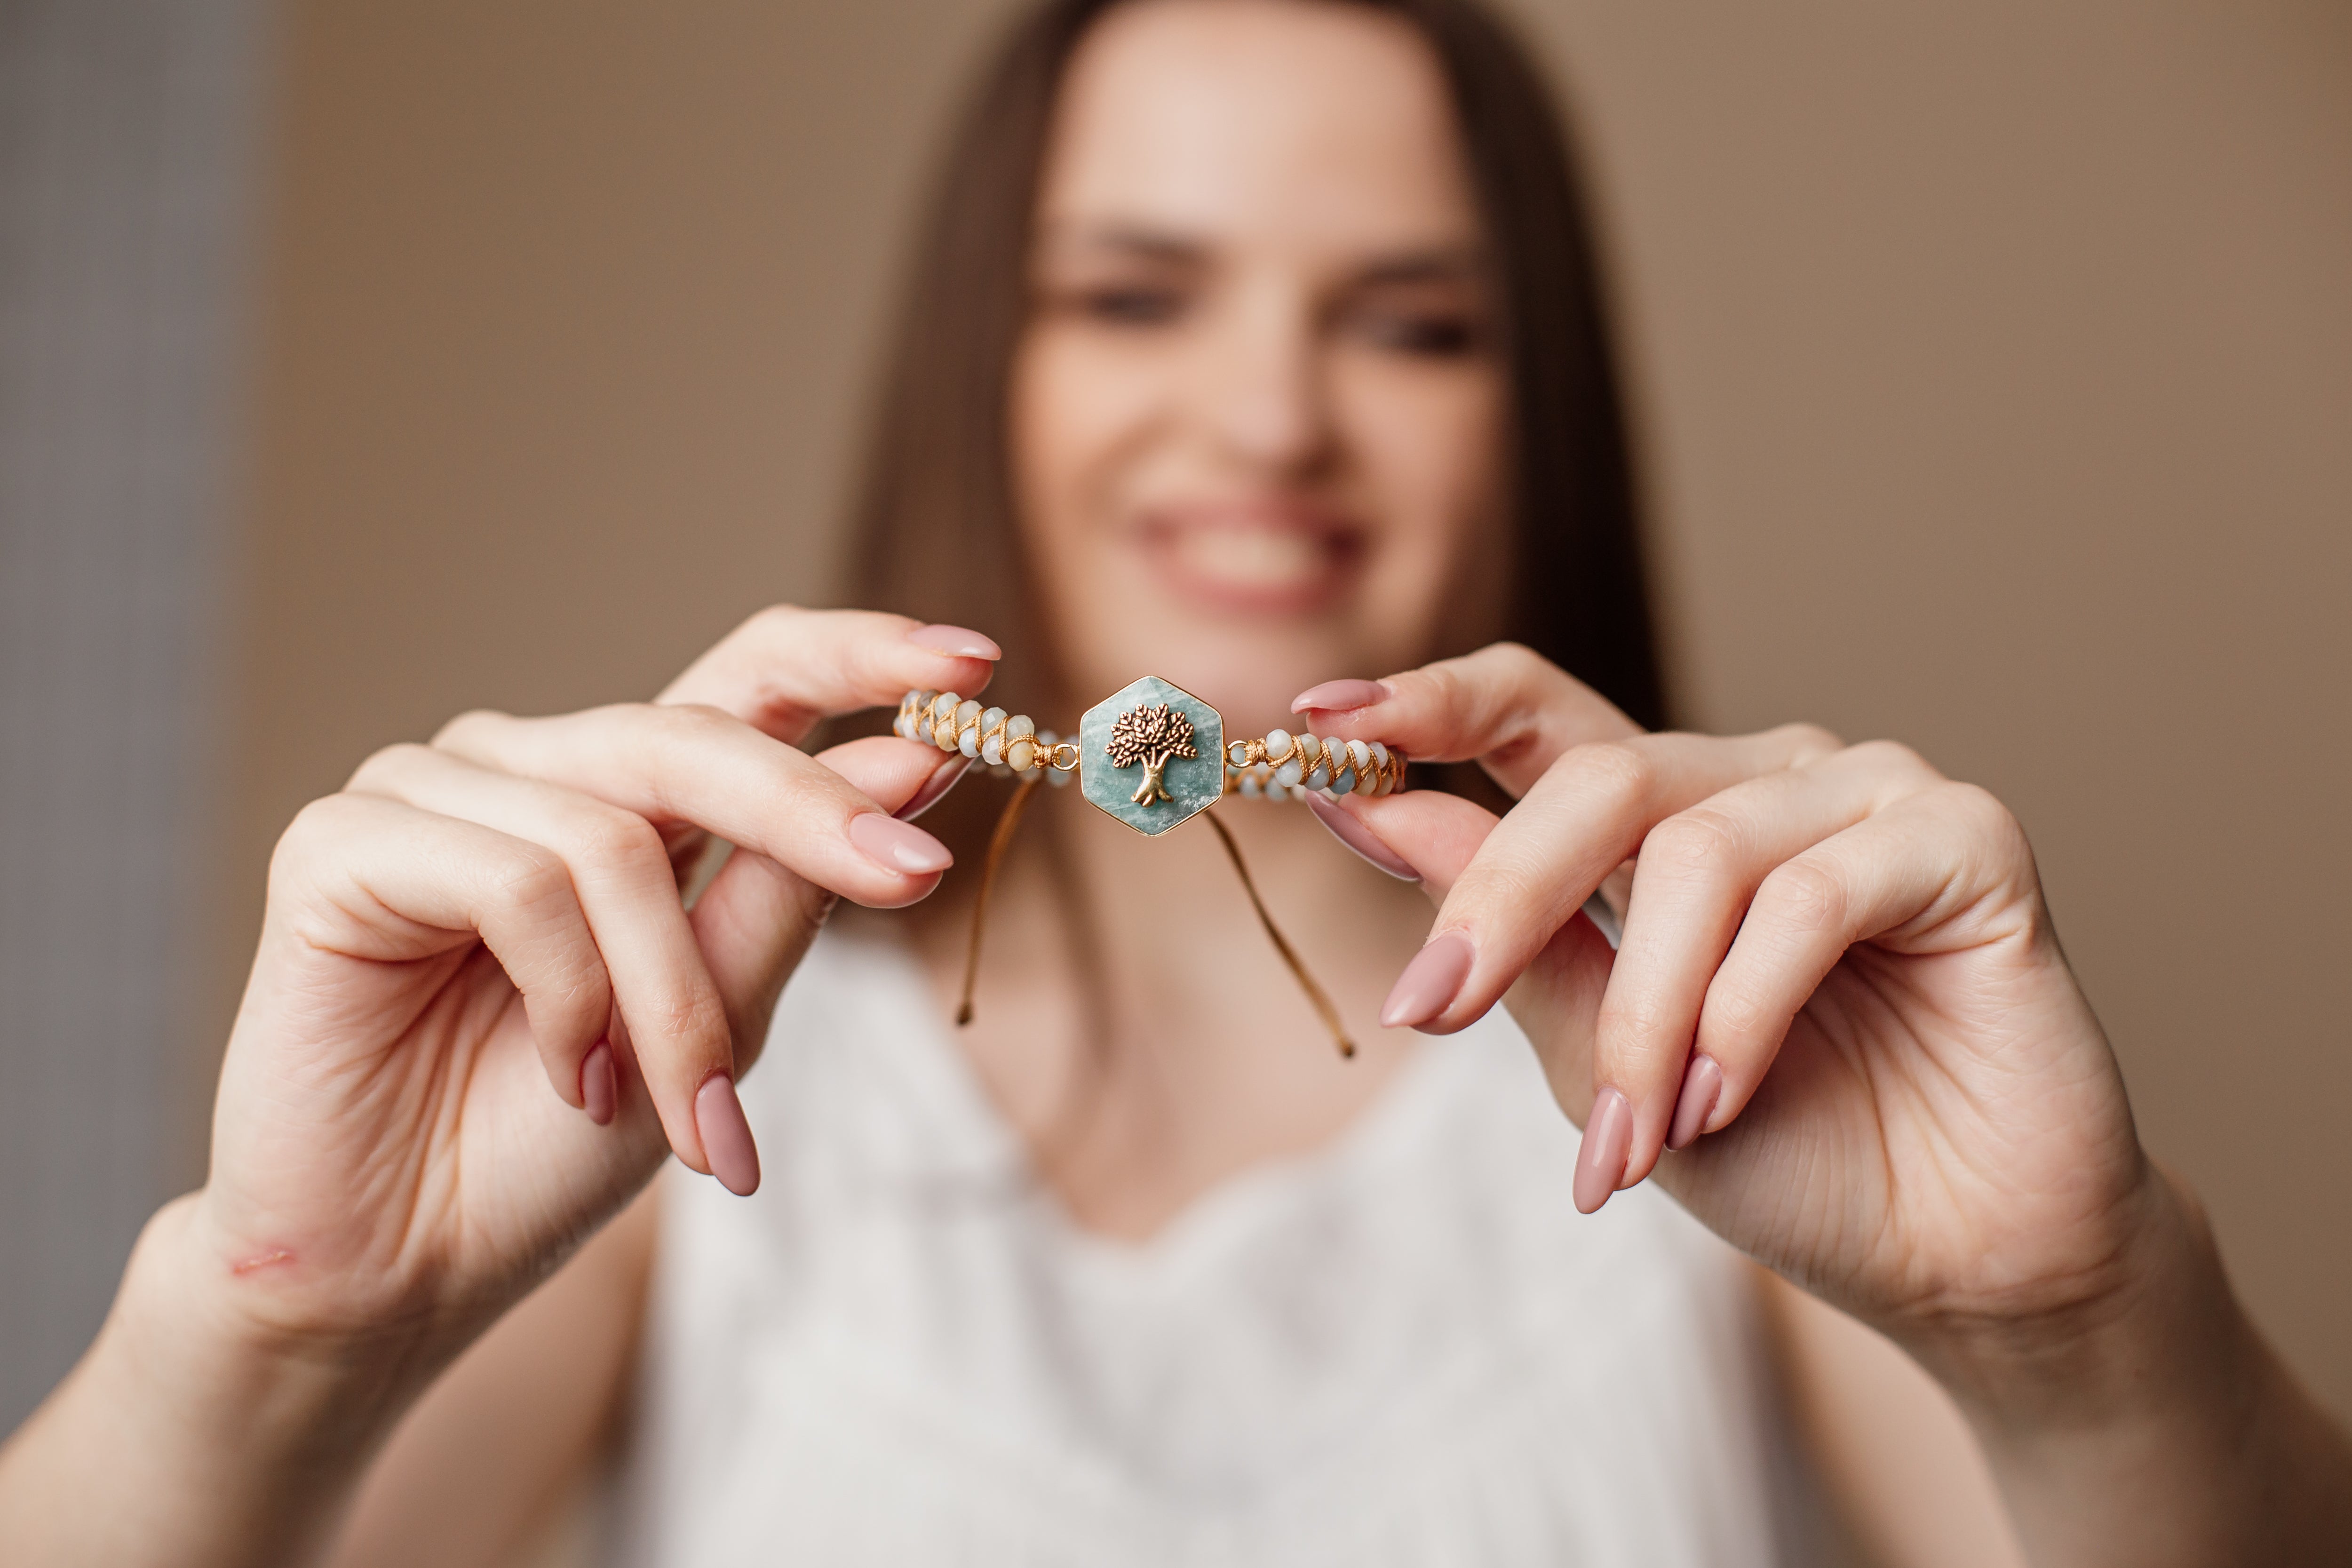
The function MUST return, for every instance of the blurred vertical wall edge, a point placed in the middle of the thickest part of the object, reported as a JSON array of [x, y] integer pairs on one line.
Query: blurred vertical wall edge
[[126, 158]]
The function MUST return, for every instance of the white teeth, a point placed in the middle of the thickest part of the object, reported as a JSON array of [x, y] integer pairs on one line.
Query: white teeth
[[1252, 557]]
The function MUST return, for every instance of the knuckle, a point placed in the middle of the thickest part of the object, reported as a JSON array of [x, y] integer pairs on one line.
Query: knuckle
[[773, 623], [1892, 757], [320, 822], [1983, 814], [534, 883], [1809, 741], [466, 728], [1804, 896], [387, 764], [1693, 845], [614, 839], [1624, 772]]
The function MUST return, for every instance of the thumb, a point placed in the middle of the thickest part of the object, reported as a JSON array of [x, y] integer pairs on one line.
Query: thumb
[[756, 918]]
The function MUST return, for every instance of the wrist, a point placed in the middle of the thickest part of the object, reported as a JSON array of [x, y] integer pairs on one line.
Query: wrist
[[234, 1436], [2143, 1420], [2151, 1322]]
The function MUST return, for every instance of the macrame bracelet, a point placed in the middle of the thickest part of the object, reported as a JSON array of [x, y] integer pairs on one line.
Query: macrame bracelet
[[1171, 748], [1279, 765]]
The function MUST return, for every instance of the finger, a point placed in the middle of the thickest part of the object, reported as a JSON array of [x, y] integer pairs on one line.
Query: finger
[[374, 879], [1557, 998], [670, 763], [1582, 819], [786, 668], [676, 1025], [1941, 869], [1698, 872], [756, 920], [1505, 705]]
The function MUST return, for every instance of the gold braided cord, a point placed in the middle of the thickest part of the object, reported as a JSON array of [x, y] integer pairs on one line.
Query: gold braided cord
[[997, 842], [1299, 970]]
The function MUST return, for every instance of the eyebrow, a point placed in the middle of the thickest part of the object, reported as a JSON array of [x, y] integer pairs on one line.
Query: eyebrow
[[1431, 264]]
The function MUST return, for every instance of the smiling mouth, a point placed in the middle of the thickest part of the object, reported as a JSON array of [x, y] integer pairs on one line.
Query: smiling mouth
[[1253, 559]]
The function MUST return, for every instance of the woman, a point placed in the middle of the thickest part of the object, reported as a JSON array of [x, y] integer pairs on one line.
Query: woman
[[1255, 348]]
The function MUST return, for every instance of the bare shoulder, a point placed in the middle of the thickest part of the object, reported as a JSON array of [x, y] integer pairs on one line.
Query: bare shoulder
[[489, 1458]]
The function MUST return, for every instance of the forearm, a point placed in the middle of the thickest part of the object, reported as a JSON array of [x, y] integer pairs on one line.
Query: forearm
[[2157, 1427], [183, 1439]]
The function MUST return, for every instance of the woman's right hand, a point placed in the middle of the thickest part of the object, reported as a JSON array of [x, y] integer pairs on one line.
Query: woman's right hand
[[482, 1014]]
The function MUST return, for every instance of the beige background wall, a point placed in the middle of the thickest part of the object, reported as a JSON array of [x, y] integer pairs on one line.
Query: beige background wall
[[1996, 361]]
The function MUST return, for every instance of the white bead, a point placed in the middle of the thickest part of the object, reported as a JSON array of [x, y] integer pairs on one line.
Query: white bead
[[990, 720], [968, 742], [1360, 754], [1020, 724], [1288, 775], [1381, 754], [944, 704], [991, 751], [1278, 745], [1368, 782]]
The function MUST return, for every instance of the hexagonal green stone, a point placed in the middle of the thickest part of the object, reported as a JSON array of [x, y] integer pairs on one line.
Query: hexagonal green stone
[[1194, 783]]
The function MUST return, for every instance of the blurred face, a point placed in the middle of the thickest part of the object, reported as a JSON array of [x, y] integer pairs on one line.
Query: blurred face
[[1257, 412]]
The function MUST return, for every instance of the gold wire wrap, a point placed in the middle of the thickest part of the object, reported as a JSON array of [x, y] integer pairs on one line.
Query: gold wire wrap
[[1299, 970], [997, 841]]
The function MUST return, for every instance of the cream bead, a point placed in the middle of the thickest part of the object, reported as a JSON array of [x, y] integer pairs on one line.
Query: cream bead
[[1021, 755], [1278, 745]]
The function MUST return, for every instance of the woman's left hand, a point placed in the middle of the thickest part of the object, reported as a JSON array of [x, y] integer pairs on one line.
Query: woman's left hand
[[1838, 998]]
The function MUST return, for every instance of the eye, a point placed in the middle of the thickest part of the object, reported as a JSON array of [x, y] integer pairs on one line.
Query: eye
[[1130, 305], [1429, 334]]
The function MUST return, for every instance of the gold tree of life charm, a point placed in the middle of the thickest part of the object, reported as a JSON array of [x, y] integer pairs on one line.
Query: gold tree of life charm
[[1154, 736], [1175, 737]]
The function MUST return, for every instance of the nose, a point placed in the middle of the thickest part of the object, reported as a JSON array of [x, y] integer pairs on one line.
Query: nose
[[1260, 391]]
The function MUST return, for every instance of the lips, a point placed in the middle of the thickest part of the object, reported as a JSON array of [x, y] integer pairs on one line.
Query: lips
[[1261, 558]]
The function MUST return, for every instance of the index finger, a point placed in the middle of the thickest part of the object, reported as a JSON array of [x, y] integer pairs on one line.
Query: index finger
[[787, 669], [1506, 706]]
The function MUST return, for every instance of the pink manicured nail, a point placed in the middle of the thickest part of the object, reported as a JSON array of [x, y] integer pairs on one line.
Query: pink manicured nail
[[1360, 838], [943, 779], [1608, 1141], [726, 1134], [1429, 982], [1341, 696], [958, 642], [900, 846], [1702, 1087], [599, 1086]]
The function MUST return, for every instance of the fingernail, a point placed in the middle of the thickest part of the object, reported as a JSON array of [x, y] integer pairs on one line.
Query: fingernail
[[943, 779], [899, 846], [1702, 1087], [960, 642], [1608, 1141], [726, 1134], [1341, 696], [599, 1086], [1429, 982], [1360, 838]]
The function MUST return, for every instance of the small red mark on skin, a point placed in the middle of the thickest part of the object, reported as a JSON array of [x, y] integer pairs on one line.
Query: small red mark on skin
[[264, 1260]]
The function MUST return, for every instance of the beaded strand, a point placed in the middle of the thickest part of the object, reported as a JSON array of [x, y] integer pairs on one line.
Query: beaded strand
[[1279, 765]]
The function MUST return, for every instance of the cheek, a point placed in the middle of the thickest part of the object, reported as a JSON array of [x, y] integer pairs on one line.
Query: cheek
[[1078, 410], [1429, 440]]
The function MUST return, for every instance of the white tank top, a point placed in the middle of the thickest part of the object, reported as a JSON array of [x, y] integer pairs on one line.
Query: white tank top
[[1406, 1348]]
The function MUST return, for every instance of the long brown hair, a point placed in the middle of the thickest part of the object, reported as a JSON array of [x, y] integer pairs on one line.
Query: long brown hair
[[937, 536]]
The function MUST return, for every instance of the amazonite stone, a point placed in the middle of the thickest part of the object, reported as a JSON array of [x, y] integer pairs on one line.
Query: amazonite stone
[[1191, 783]]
